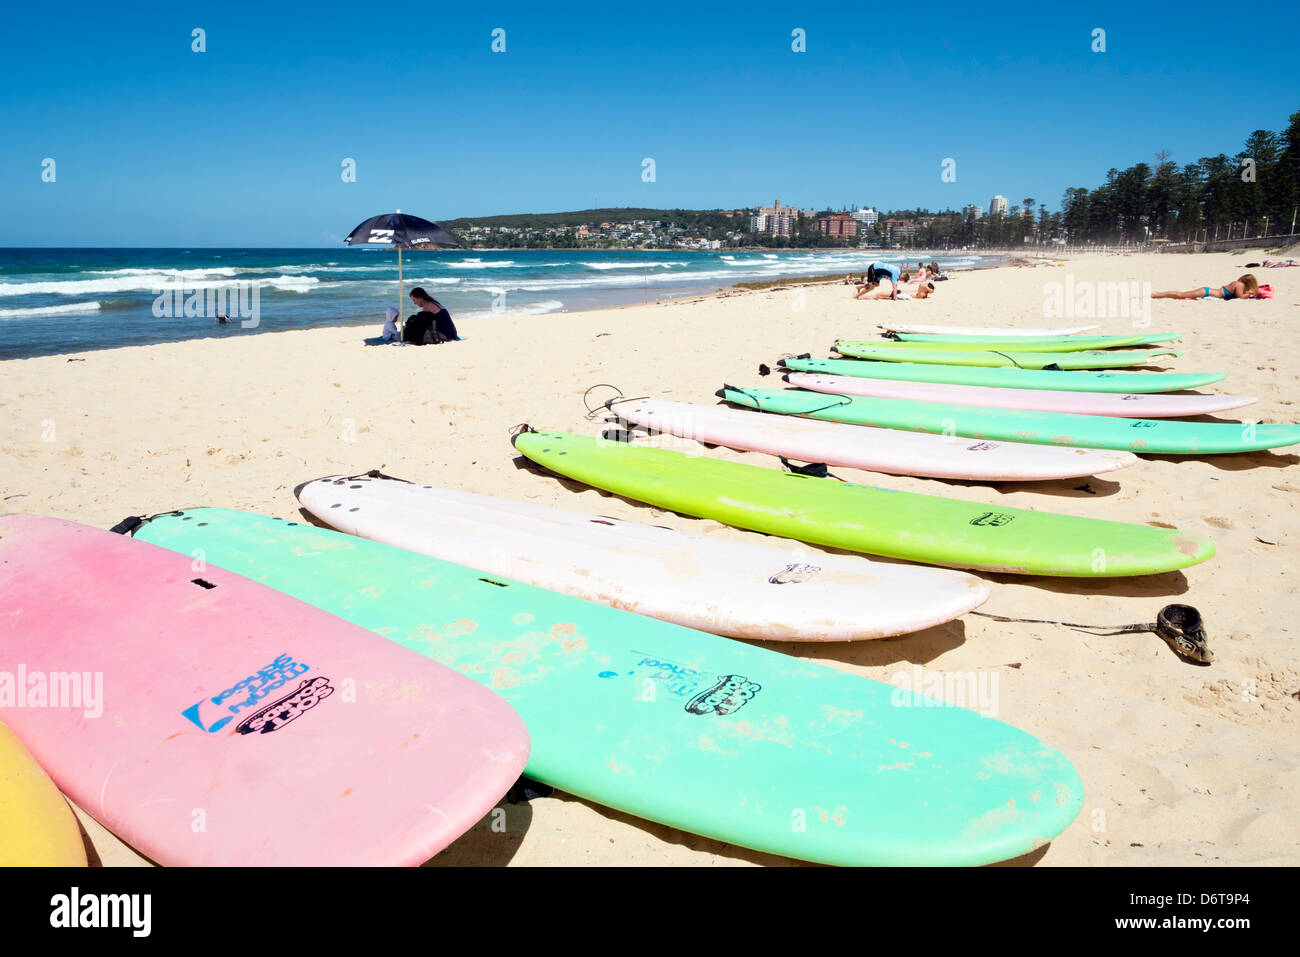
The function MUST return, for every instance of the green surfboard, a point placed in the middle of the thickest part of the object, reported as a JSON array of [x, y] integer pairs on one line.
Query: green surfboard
[[1150, 436], [1022, 343], [703, 733], [1119, 382], [862, 518], [887, 352]]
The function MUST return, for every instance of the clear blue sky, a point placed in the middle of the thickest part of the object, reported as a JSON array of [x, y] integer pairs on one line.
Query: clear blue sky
[[242, 145]]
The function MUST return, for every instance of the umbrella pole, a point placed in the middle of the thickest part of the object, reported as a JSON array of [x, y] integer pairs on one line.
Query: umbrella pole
[[401, 323]]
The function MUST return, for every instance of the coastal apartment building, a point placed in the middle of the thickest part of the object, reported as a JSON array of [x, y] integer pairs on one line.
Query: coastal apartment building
[[778, 220], [973, 212], [998, 207], [840, 225], [898, 230], [866, 218]]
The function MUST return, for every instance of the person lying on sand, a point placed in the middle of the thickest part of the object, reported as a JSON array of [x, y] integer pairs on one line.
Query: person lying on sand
[[432, 324], [1247, 287], [924, 290], [1280, 265], [875, 273]]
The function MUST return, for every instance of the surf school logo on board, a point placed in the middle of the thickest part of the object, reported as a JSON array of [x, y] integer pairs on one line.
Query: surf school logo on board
[[729, 695], [289, 708], [793, 574], [213, 714], [992, 518], [721, 694]]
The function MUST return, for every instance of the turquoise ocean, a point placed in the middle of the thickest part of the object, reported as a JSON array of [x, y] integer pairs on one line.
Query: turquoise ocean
[[72, 300]]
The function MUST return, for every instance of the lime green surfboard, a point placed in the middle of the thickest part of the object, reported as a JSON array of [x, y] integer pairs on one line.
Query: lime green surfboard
[[703, 733], [904, 340], [862, 518], [1150, 436], [1145, 383], [887, 352]]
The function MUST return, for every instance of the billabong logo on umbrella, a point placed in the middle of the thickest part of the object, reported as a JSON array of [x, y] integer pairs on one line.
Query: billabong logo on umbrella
[[380, 236]]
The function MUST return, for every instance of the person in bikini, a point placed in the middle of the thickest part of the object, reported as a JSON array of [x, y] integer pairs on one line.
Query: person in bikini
[[1247, 287]]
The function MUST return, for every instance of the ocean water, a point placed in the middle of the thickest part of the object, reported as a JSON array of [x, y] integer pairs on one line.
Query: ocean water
[[72, 300]]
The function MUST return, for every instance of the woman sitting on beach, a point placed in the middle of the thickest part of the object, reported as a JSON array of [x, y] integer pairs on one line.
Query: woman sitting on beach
[[875, 273], [432, 324], [1247, 287]]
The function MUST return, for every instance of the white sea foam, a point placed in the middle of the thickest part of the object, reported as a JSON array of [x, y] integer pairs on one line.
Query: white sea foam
[[145, 280], [647, 265], [479, 264], [207, 273], [71, 309], [529, 309]]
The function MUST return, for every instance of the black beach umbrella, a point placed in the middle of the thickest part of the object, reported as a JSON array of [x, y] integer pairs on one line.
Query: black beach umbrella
[[403, 231]]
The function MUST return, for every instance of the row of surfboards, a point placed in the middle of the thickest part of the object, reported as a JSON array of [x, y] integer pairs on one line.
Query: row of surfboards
[[278, 693]]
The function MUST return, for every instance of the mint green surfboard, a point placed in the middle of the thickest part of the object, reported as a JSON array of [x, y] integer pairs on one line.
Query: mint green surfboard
[[1146, 383], [887, 352], [694, 731], [904, 340], [863, 518], [1150, 436]]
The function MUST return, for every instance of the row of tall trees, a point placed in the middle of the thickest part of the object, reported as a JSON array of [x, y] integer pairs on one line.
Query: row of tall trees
[[1252, 193]]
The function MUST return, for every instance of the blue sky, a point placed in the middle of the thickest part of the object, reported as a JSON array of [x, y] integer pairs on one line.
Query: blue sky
[[242, 145]]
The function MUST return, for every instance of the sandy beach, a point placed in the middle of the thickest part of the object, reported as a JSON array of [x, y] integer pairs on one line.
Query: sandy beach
[[1182, 765]]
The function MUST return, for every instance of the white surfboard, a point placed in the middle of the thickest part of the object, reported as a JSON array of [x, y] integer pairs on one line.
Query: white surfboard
[[784, 591], [981, 330], [1128, 405], [878, 450]]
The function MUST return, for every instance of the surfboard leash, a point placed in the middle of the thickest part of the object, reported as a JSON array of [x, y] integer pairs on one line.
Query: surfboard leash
[[129, 524], [1180, 626]]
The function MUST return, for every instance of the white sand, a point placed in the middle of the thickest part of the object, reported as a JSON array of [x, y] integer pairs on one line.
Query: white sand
[[1182, 764]]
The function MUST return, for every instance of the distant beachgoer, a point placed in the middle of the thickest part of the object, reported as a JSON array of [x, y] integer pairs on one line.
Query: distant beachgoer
[[223, 319], [1247, 287], [1280, 265], [849, 280], [878, 271], [432, 324]]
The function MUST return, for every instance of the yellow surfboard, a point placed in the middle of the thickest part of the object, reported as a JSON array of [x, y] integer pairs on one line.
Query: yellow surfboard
[[37, 828]]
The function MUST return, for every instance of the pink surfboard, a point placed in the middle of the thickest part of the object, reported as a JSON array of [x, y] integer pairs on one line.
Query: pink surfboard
[[209, 720], [1082, 403]]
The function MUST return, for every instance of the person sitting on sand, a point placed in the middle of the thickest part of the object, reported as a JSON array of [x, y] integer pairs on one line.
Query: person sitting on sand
[[875, 273], [432, 324], [390, 333], [1247, 287], [849, 280]]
